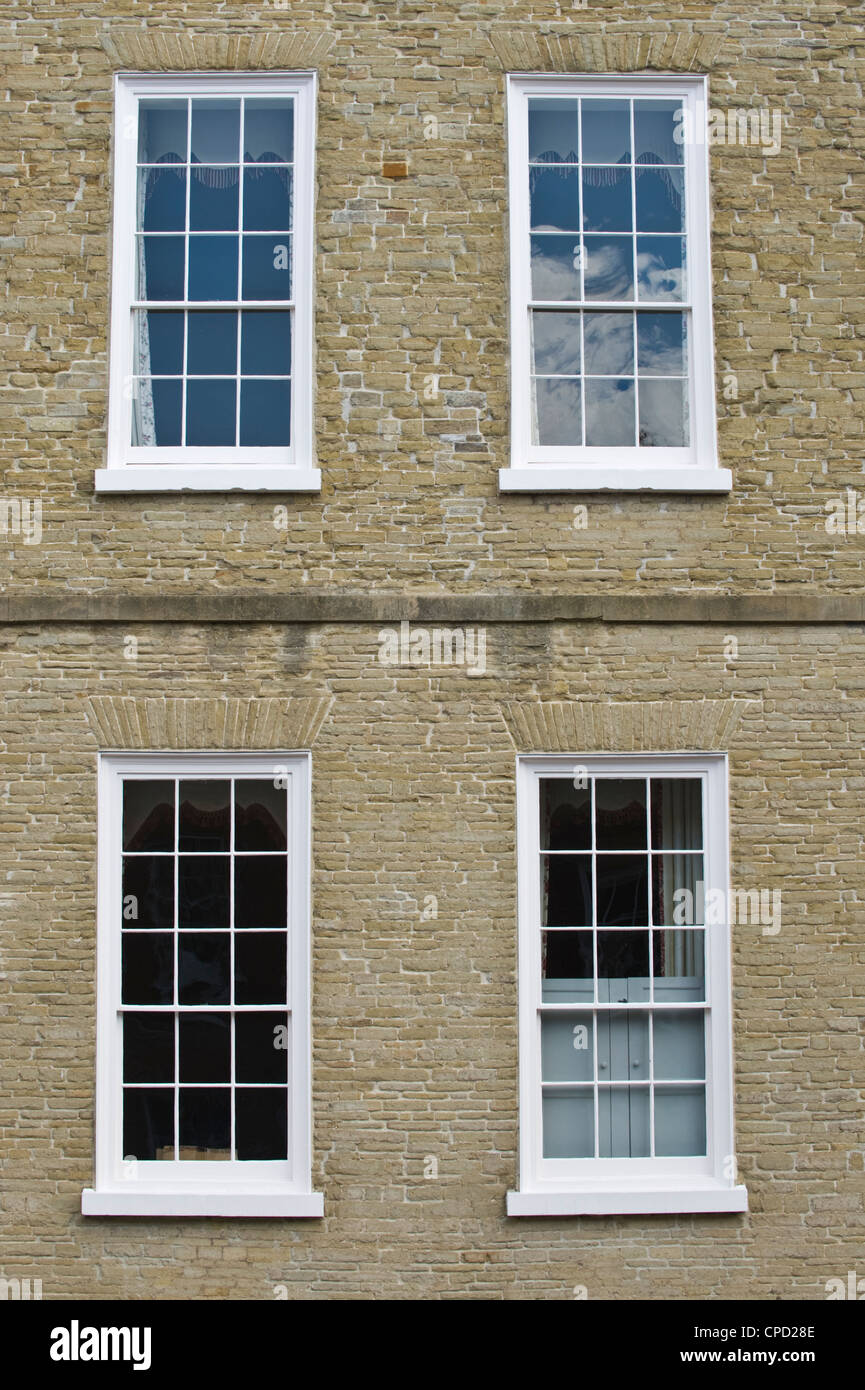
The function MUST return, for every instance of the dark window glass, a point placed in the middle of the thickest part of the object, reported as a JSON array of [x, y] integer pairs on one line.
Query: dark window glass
[[203, 968], [260, 968], [566, 890], [148, 968], [148, 1047], [261, 1121], [620, 813], [148, 891], [205, 817], [566, 816], [260, 892], [203, 891], [148, 807], [260, 1047], [623, 890], [148, 1124], [205, 1047], [205, 1123]]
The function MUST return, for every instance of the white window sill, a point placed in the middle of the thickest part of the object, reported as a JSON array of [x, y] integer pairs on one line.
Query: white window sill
[[600, 1201], [565, 478], [168, 477], [219, 1202]]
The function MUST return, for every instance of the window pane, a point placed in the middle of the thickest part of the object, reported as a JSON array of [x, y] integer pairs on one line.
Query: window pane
[[211, 412], [677, 813], [606, 130], [660, 200], [265, 413], [212, 267], [623, 956], [567, 966], [267, 267], [661, 349], [267, 199], [205, 1124], [214, 199], [215, 131], [148, 815], [622, 888], [569, 1123], [677, 890], [158, 343], [203, 967], [148, 1124], [148, 968], [205, 1047], [609, 344], [148, 1047], [160, 267], [148, 891], [261, 1123], [623, 1046], [265, 343], [567, 1047], [555, 343], [610, 413], [656, 127], [680, 1121], [679, 966], [554, 199], [162, 199], [268, 129], [607, 200], [260, 892], [259, 815], [609, 269], [205, 816], [566, 815], [260, 1053], [555, 267], [162, 130], [558, 411], [623, 1122], [661, 268], [157, 408], [553, 130], [566, 890], [260, 968], [203, 892], [664, 414], [212, 346], [679, 1046], [620, 813]]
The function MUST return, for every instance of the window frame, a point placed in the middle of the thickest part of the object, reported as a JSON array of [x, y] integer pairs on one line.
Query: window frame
[[200, 468], [549, 1187], [537, 468], [206, 1188]]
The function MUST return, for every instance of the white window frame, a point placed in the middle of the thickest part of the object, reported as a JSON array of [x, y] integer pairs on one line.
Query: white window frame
[[196, 468], [540, 468], [563, 1187], [227, 1188]]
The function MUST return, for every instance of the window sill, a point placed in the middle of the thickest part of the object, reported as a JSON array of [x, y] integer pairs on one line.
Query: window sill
[[164, 477], [219, 1202], [540, 478], [605, 1201]]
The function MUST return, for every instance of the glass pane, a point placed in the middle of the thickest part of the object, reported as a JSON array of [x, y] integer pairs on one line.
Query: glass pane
[[162, 199], [623, 1046], [607, 200], [567, 967], [623, 1122], [664, 420], [555, 267], [205, 815], [566, 890], [567, 1047], [566, 815], [558, 411], [148, 815], [677, 813], [554, 199], [660, 200], [213, 267], [260, 1047], [261, 1123], [268, 130], [606, 130], [148, 891], [265, 343], [623, 956], [679, 1046], [157, 412], [661, 268], [203, 968], [205, 1047], [620, 813], [678, 897], [259, 815], [658, 132], [679, 966], [148, 1047], [553, 130], [212, 346], [610, 413], [148, 1124], [160, 267], [267, 199], [260, 892], [555, 343], [148, 968], [205, 1124], [680, 1121], [158, 343], [215, 131], [609, 344], [211, 412], [214, 199], [661, 349], [162, 130], [265, 413], [609, 270], [623, 890], [267, 267], [569, 1123], [203, 892], [260, 968]]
